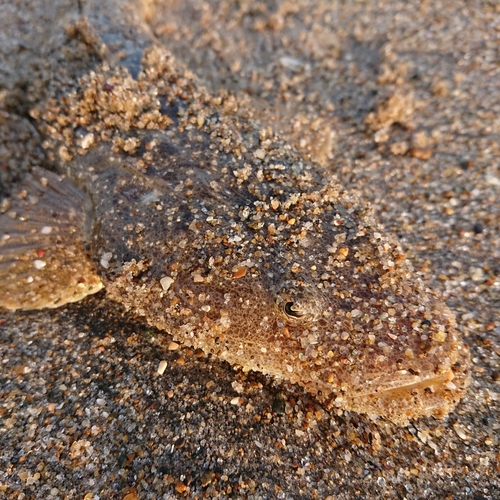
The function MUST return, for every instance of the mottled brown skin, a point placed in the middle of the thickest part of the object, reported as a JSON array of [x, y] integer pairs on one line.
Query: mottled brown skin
[[272, 266], [310, 290]]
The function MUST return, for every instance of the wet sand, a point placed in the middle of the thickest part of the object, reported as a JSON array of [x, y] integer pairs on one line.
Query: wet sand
[[401, 103]]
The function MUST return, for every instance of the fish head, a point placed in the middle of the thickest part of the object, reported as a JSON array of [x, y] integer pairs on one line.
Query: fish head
[[368, 335], [347, 317]]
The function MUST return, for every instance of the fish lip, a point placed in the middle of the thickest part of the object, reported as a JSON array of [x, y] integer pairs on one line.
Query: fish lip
[[453, 378], [400, 403], [434, 382]]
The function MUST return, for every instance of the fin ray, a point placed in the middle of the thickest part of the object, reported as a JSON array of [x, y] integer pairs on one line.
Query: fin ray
[[42, 245]]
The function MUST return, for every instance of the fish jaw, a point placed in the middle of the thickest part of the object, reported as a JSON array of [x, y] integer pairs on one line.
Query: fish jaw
[[434, 396], [435, 384]]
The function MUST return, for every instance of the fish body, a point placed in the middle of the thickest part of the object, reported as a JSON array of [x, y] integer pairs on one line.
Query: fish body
[[222, 235]]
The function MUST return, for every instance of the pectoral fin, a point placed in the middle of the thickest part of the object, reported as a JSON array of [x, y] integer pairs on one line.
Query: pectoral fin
[[43, 262]]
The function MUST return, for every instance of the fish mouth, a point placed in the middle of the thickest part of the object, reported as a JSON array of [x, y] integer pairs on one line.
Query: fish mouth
[[429, 385], [432, 396]]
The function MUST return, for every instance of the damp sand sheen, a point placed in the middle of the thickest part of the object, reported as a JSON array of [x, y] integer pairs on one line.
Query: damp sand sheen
[[218, 232]]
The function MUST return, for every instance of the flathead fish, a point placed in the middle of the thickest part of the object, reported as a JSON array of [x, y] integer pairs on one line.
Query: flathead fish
[[222, 235]]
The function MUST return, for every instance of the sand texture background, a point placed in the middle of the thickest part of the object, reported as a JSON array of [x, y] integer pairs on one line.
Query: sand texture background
[[401, 101]]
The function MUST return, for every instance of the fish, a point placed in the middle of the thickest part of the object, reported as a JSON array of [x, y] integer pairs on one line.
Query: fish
[[220, 233]]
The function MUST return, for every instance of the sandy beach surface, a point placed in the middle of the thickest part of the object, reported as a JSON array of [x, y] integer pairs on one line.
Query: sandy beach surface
[[401, 101]]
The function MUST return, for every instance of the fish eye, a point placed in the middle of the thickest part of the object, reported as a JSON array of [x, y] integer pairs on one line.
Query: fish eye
[[299, 306], [293, 310]]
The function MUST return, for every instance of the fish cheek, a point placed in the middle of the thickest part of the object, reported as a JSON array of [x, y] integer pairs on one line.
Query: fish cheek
[[240, 325]]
